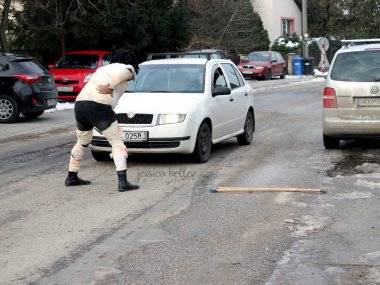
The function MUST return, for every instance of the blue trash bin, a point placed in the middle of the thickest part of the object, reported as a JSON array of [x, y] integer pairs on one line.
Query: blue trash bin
[[298, 67]]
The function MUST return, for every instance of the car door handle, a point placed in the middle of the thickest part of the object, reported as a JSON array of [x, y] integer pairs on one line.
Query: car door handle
[[231, 99], [246, 94]]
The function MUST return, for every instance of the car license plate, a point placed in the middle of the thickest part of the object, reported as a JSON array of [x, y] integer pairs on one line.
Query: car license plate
[[65, 88], [247, 71], [51, 102], [135, 136], [375, 101]]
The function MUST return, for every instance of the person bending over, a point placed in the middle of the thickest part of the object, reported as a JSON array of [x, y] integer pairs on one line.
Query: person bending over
[[93, 108]]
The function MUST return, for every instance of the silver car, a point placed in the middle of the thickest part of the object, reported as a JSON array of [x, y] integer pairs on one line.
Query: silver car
[[351, 100]]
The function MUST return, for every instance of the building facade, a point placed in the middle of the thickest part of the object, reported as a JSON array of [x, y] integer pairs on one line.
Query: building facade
[[279, 17]]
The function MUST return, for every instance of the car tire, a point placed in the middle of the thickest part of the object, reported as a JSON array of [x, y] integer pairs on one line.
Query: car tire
[[283, 75], [249, 128], [32, 115], [9, 110], [203, 144], [331, 142], [101, 155], [268, 75]]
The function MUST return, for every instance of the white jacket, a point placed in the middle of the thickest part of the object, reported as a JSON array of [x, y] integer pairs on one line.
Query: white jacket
[[115, 76]]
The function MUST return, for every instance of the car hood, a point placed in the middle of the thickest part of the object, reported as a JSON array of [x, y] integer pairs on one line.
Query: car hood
[[255, 63], [158, 103], [70, 73]]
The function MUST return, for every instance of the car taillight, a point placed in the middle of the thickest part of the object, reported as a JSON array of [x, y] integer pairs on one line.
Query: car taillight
[[329, 98], [28, 79], [35, 101]]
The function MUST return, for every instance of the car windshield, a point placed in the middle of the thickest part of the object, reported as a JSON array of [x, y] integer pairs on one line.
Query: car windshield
[[80, 61], [362, 66], [170, 78], [258, 56]]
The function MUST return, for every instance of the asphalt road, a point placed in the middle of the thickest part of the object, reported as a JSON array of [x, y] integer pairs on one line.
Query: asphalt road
[[173, 230]]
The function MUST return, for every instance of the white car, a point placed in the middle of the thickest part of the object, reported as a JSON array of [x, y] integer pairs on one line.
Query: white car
[[183, 105]]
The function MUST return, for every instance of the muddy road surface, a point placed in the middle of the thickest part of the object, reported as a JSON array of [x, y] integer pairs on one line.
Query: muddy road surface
[[174, 231]]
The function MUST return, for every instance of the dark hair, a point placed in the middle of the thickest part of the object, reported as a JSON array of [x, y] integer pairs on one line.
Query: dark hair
[[125, 57]]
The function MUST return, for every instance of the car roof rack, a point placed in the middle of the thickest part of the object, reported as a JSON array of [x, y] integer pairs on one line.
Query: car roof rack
[[360, 42], [167, 55]]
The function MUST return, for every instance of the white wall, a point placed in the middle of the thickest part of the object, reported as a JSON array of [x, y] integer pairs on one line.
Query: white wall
[[272, 11]]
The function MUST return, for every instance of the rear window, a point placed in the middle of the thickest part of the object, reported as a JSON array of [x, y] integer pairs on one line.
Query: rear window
[[28, 67], [361, 66], [78, 61]]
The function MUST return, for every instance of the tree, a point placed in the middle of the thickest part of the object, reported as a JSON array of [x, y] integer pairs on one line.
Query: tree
[[345, 18], [320, 12], [50, 27], [4, 25], [356, 19], [227, 24]]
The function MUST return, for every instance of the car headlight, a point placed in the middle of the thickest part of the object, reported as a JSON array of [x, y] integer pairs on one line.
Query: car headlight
[[87, 78], [164, 119], [259, 67]]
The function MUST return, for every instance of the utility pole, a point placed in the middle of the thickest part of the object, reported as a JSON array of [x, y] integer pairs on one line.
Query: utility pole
[[305, 33]]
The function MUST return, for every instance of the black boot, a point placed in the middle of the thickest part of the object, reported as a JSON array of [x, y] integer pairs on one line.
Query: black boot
[[124, 184], [73, 180]]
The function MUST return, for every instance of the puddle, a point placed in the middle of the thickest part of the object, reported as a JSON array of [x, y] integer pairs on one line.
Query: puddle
[[355, 164]]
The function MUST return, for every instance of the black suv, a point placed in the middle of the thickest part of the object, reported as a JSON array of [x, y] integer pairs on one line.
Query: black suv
[[25, 87]]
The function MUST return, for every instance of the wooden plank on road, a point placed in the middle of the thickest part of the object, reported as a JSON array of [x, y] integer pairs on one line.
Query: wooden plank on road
[[254, 189]]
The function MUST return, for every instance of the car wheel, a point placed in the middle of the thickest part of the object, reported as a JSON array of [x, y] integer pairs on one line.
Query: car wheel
[[283, 75], [101, 155], [32, 115], [331, 142], [249, 128], [203, 145], [268, 75], [9, 110]]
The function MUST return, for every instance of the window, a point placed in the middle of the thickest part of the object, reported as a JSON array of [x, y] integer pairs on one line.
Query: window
[[29, 67], [232, 75], [279, 58], [4, 67], [361, 66], [79, 61], [259, 56], [169, 78], [219, 79], [287, 26], [107, 59]]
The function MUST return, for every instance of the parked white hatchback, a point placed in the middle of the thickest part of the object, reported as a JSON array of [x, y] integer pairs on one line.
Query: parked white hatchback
[[183, 105]]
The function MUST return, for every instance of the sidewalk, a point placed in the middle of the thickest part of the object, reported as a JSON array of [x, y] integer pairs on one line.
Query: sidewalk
[[289, 80]]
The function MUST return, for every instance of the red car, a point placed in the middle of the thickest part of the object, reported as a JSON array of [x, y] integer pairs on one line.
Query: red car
[[74, 70], [263, 65]]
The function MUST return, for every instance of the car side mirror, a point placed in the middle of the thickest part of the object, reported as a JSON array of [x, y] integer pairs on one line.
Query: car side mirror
[[220, 90], [51, 66]]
